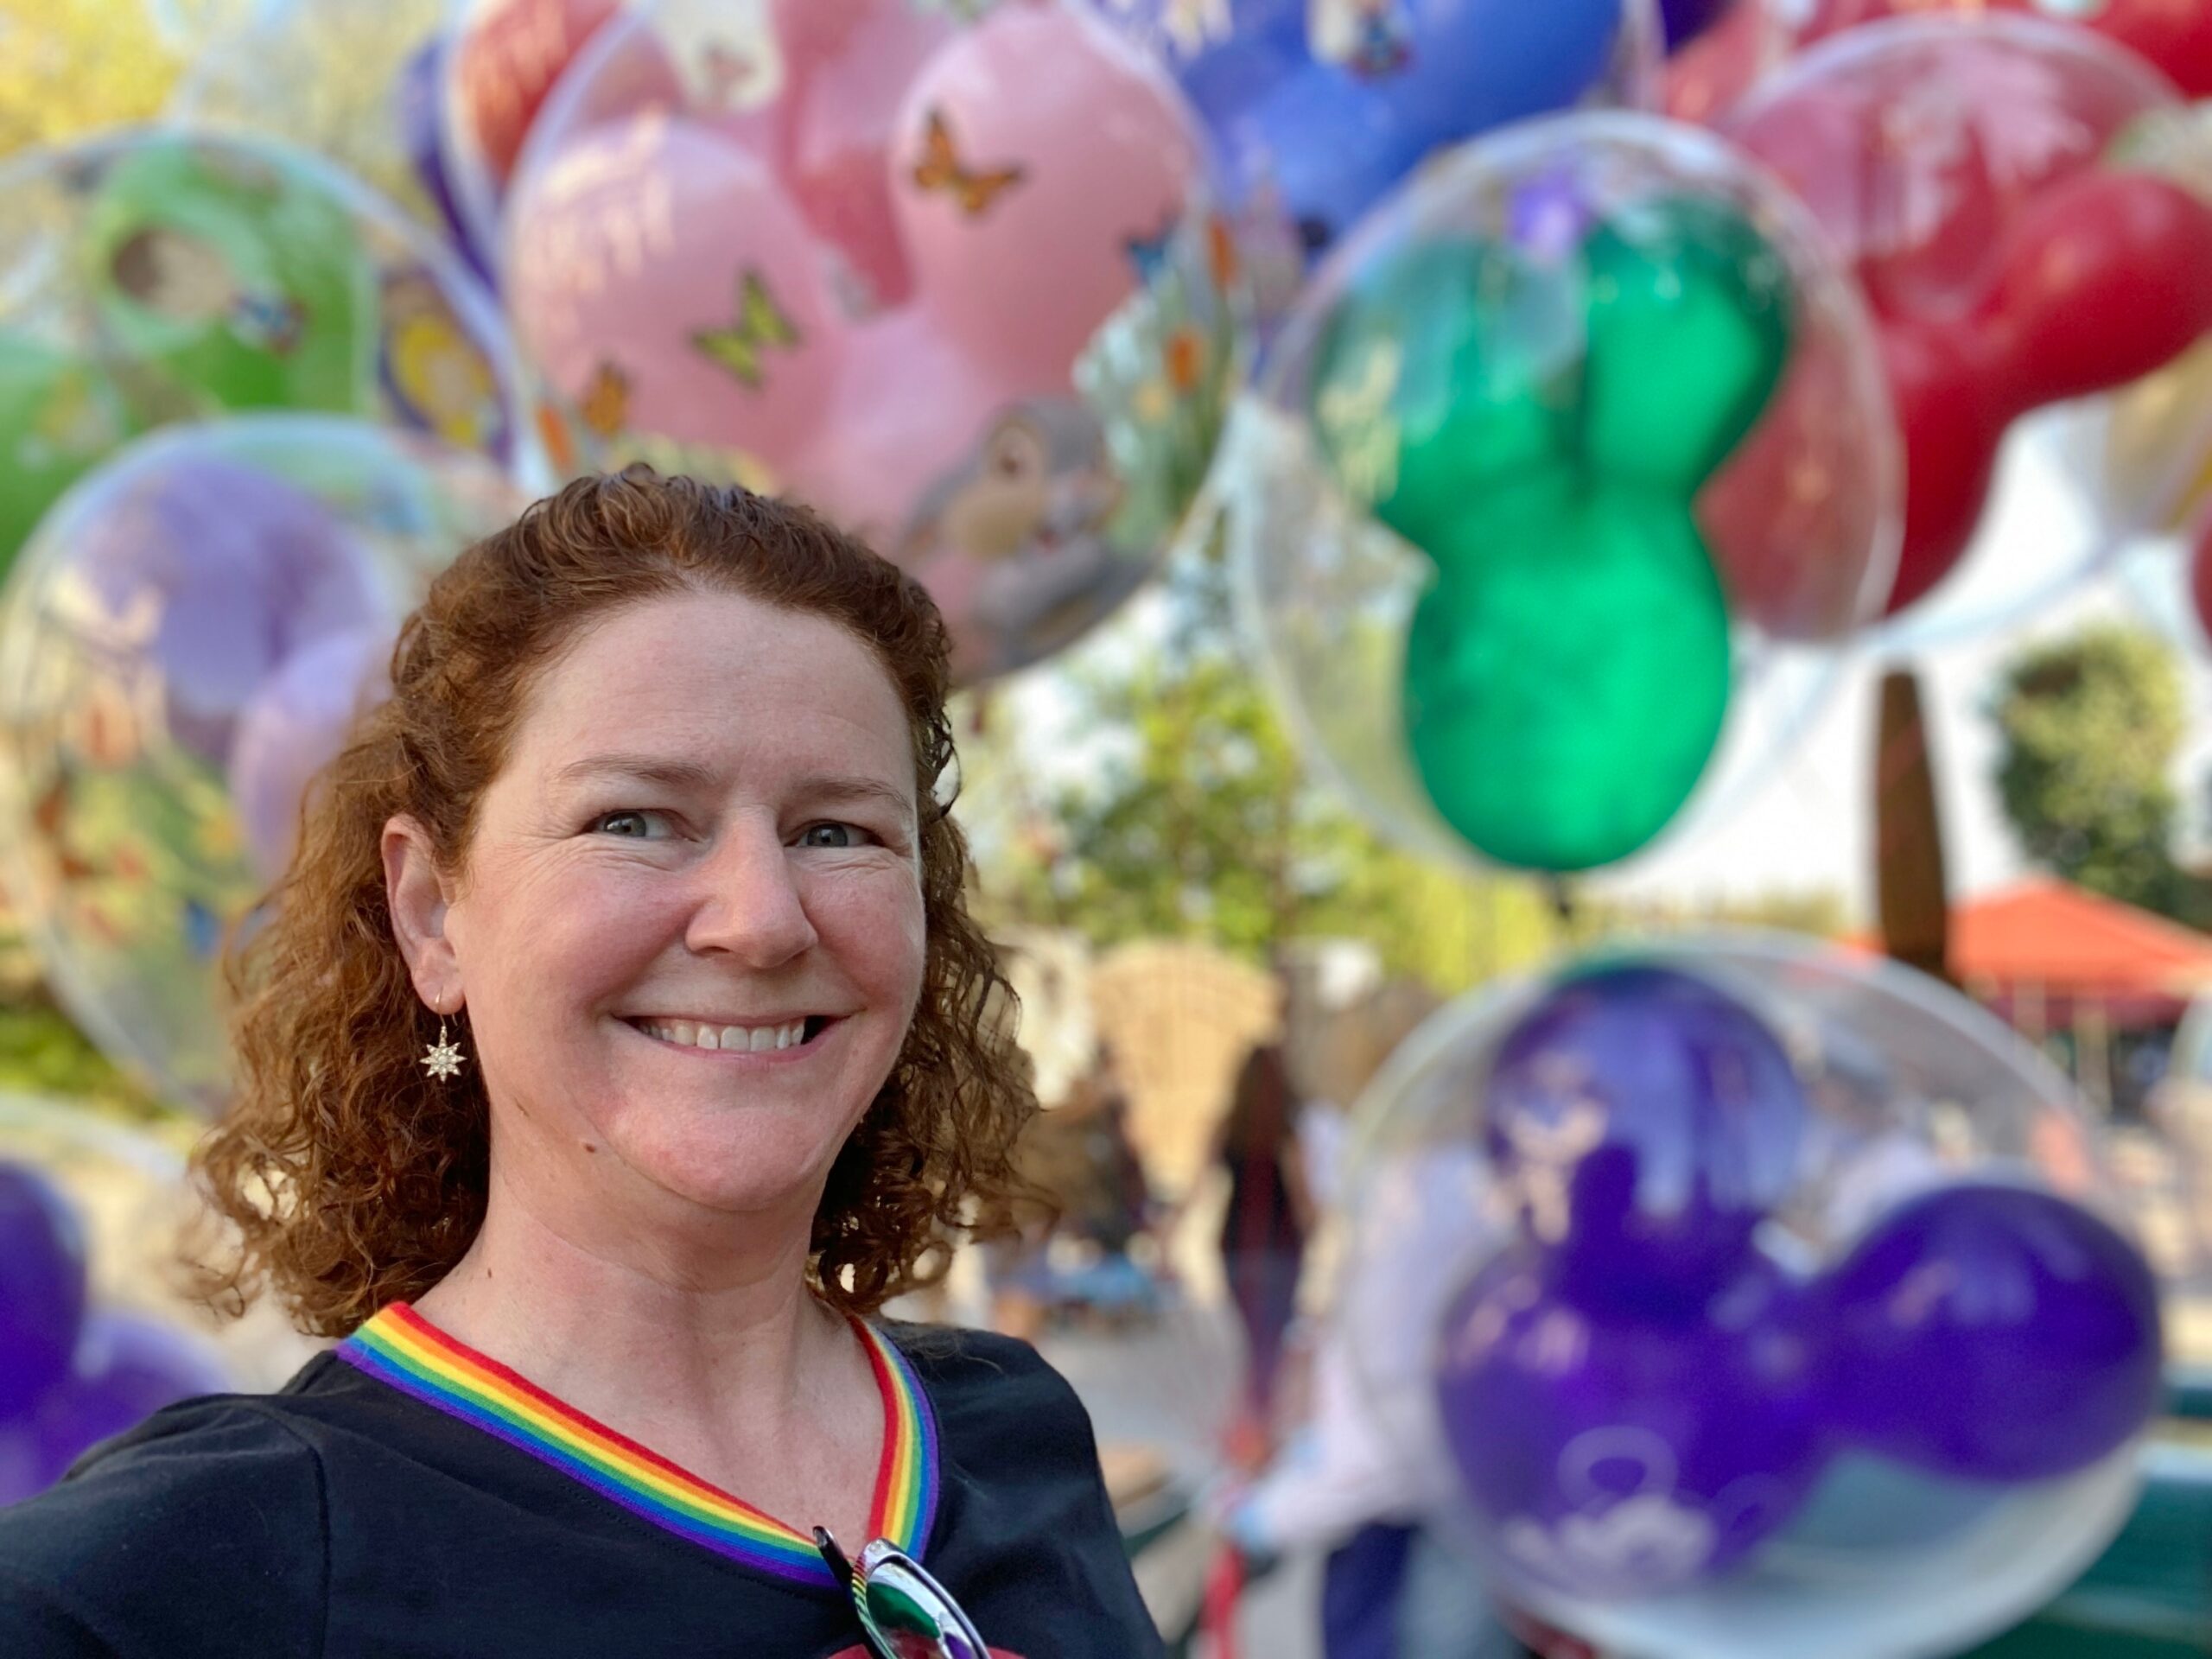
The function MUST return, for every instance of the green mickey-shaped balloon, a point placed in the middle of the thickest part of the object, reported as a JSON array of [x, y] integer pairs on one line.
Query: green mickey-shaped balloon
[[226, 279], [1541, 429]]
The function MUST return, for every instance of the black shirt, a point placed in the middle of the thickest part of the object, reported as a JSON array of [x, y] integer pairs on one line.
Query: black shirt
[[343, 1519]]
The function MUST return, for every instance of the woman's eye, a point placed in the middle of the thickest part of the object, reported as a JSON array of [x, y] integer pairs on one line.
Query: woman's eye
[[833, 835], [631, 825]]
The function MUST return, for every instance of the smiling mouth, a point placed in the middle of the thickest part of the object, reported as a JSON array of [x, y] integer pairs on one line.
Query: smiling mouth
[[735, 1040]]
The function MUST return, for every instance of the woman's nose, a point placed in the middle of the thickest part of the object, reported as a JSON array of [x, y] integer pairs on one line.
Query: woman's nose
[[750, 905]]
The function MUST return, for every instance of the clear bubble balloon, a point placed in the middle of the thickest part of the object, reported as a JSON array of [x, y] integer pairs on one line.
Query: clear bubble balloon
[[129, 1339], [1960, 166], [156, 276], [953, 280], [1563, 484], [179, 651], [1891, 1397]]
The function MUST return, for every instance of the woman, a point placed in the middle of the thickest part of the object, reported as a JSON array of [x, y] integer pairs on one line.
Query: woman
[[618, 1048], [1268, 1218]]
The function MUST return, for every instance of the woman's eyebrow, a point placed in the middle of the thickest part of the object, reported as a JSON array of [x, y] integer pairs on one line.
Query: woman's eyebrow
[[852, 786], [672, 770]]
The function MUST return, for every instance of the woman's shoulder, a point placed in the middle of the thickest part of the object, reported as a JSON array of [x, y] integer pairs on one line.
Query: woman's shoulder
[[997, 1399], [157, 1541]]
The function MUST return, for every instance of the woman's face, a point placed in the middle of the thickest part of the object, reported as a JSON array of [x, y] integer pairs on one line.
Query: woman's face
[[690, 932]]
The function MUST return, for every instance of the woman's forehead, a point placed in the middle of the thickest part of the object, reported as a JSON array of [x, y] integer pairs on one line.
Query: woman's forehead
[[714, 677]]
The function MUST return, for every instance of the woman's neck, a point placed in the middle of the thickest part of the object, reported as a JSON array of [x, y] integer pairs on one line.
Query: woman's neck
[[714, 1353]]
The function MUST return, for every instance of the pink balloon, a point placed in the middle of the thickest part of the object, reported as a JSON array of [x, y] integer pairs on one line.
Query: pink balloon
[[848, 66], [1037, 155], [663, 282], [295, 726], [909, 405]]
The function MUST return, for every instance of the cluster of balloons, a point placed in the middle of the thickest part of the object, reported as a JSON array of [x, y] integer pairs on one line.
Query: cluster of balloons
[[71, 1373], [1569, 473], [1786, 1279], [185, 642], [156, 276], [958, 283]]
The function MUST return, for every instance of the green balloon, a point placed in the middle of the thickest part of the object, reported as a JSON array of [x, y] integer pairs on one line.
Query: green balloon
[[1540, 426], [1568, 674], [225, 280], [1689, 320], [59, 417], [1445, 371]]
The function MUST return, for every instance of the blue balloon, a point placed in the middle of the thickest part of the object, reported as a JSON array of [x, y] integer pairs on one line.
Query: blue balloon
[[1331, 105], [1646, 1122]]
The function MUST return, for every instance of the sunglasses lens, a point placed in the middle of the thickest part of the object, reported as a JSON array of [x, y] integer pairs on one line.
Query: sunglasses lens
[[912, 1616]]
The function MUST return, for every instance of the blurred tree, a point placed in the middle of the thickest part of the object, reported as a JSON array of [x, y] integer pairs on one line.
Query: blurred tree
[[69, 67], [2089, 728]]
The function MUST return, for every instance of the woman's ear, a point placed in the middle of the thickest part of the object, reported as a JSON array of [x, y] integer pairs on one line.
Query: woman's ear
[[416, 893]]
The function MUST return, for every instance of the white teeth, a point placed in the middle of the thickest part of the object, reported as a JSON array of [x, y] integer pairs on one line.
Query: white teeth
[[729, 1039]]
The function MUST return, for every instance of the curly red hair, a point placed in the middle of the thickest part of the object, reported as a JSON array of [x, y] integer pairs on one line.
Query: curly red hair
[[352, 1179]]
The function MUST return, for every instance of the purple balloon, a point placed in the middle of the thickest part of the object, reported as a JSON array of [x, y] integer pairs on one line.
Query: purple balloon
[[1644, 1122], [1993, 1333], [295, 726], [126, 1368], [232, 570], [42, 1287], [1683, 21], [1611, 1454], [417, 111]]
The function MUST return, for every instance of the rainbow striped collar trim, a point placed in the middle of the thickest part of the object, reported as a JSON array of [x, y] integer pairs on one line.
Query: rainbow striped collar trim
[[400, 1347]]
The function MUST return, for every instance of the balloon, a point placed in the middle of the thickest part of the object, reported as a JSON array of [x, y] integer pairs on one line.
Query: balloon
[[1037, 154], [235, 570], [507, 53], [1551, 369], [2175, 36], [127, 1368], [248, 286], [1556, 498], [1611, 1454], [850, 63], [145, 623], [294, 725], [2008, 271], [41, 1287], [660, 269], [1912, 1096], [1320, 111], [2200, 584], [1685, 20], [414, 112], [1644, 1122], [57, 416], [1994, 1333], [954, 280], [167, 277]]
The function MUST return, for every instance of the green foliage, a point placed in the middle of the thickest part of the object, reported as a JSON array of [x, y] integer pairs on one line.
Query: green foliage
[[2090, 727]]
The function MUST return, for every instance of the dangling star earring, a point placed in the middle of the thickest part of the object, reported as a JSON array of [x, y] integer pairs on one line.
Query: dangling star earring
[[443, 1059]]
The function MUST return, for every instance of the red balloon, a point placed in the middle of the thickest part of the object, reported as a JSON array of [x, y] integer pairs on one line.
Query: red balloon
[[511, 54], [2173, 35], [2102, 279]]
